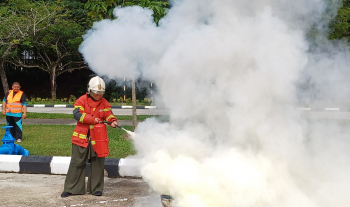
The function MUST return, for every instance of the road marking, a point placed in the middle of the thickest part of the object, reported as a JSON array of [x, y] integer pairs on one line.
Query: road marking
[[331, 109], [304, 109], [124, 199]]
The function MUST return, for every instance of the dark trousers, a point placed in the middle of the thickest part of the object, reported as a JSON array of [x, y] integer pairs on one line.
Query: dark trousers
[[75, 179], [16, 130]]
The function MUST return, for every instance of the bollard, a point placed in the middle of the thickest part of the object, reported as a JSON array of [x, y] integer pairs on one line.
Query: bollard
[[9, 147]]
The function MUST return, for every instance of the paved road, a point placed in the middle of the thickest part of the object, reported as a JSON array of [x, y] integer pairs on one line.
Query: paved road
[[21, 190], [73, 122], [327, 115], [61, 121], [115, 111]]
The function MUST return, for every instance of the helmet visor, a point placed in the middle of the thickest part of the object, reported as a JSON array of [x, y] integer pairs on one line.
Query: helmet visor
[[98, 92]]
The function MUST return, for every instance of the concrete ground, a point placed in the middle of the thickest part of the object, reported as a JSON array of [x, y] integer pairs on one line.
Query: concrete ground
[[22, 190]]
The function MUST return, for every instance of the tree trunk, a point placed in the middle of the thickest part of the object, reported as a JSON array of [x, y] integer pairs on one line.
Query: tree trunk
[[3, 77], [53, 83], [133, 98]]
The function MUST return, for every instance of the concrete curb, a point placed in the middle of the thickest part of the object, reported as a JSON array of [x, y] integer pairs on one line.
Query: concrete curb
[[59, 165], [72, 106]]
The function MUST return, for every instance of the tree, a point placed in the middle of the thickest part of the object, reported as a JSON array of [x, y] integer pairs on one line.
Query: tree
[[20, 19], [55, 49], [340, 26], [103, 9]]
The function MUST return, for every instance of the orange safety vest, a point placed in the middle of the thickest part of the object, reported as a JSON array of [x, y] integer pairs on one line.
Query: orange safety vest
[[90, 110], [14, 104]]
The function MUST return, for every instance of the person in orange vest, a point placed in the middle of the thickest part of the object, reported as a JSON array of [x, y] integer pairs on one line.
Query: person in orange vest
[[14, 106], [89, 110]]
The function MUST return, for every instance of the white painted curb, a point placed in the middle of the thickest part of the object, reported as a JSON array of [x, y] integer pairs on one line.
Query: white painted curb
[[129, 168], [150, 107], [59, 106], [39, 105], [60, 165], [10, 163]]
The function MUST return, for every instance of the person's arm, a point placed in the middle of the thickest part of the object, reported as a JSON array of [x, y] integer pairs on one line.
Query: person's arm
[[24, 106], [81, 116], [109, 116], [24, 115]]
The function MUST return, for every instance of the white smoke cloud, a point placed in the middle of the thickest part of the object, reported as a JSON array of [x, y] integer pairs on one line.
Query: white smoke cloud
[[229, 73]]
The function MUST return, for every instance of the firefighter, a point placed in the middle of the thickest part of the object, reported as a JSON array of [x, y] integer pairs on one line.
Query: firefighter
[[14, 106], [88, 110]]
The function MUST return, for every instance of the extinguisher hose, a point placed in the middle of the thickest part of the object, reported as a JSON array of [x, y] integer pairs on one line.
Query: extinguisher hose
[[111, 122]]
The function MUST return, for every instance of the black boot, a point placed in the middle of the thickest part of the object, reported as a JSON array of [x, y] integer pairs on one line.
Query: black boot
[[97, 193], [65, 194]]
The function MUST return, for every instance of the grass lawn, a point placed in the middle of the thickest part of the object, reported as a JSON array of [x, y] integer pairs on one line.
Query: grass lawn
[[55, 140]]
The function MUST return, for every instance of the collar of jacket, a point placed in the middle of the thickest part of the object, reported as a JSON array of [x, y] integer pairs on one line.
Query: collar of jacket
[[93, 103]]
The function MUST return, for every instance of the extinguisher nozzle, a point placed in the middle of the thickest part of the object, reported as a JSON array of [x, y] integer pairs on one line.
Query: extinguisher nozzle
[[121, 127], [127, 131]]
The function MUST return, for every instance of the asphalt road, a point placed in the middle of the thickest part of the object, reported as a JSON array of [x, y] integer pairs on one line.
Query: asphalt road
[[61, 121], [308, 114], [115, 111]]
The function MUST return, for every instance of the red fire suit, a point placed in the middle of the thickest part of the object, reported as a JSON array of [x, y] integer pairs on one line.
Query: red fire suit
[[83, 148], [90, 110]]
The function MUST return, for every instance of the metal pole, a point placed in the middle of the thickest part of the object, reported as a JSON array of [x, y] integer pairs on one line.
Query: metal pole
[[134, 116], [124, 90]]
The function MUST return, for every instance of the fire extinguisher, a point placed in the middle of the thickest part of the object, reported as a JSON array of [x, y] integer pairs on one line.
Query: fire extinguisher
[[101, 140]]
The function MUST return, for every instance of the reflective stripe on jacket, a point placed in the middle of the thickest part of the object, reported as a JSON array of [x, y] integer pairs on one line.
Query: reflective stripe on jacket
[[14, 104], [90, 110]]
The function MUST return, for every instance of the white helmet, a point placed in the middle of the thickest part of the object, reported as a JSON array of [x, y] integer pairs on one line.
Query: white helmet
[[96, 85]]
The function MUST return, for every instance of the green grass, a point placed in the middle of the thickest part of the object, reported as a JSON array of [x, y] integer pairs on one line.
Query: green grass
[[33, 115], [55, 140]]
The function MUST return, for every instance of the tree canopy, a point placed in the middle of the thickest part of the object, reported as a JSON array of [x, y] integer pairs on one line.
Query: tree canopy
[[19, 20], [99, 9], [46, 34], [340, 26], [55, 49]]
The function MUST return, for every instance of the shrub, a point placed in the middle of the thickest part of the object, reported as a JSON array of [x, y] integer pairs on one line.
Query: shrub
[[128, 100], [146, 101], [72, 99], [120, 100], [38, 99]]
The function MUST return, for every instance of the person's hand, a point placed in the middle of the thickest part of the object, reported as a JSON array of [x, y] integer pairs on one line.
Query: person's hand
[[24, 115], [114, 124], [3, 113], [96, 120]]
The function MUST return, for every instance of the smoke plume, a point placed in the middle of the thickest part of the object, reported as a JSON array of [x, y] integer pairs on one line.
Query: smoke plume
[[232, 74]]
